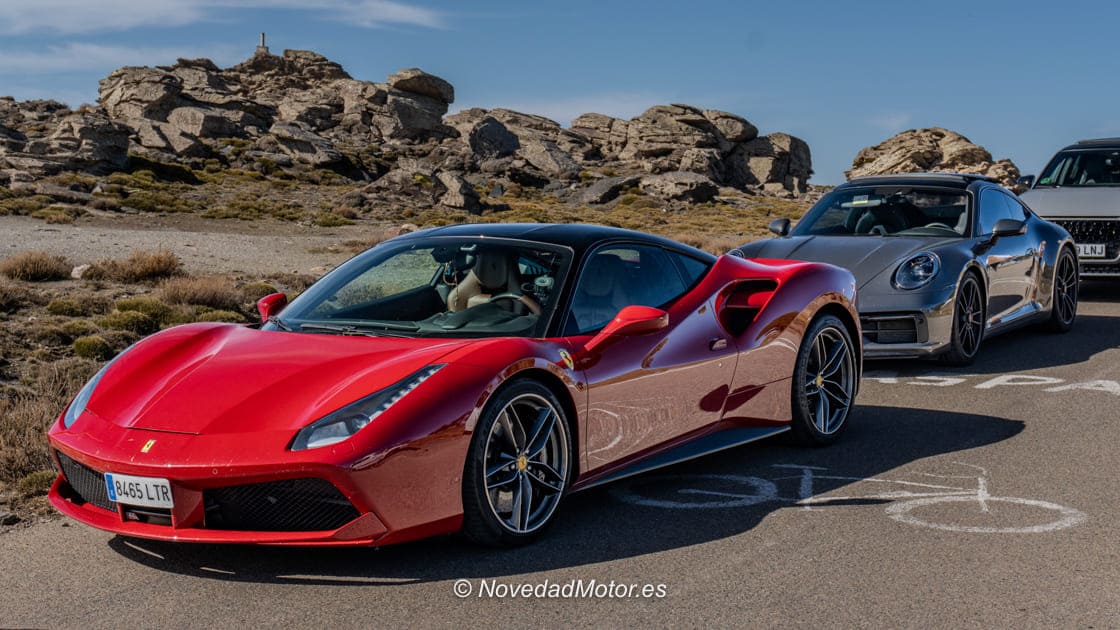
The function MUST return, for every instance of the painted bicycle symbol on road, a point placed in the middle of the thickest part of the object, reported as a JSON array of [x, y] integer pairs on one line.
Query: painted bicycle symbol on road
[[921, 503]]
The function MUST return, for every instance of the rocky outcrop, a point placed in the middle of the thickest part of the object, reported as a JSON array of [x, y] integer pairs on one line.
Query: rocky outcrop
[[300, 111], [933, 149], [39, 138]]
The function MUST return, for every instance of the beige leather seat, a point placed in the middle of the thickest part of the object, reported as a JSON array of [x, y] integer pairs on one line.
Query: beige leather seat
[[601, 292], [494, 273]]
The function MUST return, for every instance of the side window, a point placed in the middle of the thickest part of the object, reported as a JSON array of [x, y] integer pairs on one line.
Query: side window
[[617, 276], [693, 269], [1014, 208], [992, 209]]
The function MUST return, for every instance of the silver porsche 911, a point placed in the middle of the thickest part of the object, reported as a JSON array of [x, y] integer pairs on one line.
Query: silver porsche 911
[[942, 261]]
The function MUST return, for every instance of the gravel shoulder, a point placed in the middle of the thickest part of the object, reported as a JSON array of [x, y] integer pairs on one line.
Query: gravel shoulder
[[204, 245]]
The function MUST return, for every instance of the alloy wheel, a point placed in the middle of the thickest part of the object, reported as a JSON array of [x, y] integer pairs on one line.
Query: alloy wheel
[[1065, 289], [830, 384], [969, 317], [526, 463]]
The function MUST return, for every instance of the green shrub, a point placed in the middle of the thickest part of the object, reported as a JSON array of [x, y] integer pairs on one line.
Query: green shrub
[[66, 306], [92, 347], [330, 219], [221, 316], [254, 291], [79, 328], [150, 306], [36, 483], [24, 205], [132, 321]]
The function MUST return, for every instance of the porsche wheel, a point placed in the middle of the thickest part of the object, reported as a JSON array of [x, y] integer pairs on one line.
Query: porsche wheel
[[824, 382], [968, 323], [1063, 308], [518, 468]]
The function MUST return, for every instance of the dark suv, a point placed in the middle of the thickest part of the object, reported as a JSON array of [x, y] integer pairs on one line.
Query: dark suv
[[1080, 190]]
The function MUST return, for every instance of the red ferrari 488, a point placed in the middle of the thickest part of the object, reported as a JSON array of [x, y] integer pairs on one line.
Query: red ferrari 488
[[464, 378]]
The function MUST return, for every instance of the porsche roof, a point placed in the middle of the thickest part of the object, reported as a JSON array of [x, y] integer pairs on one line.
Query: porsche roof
[[941, 179]]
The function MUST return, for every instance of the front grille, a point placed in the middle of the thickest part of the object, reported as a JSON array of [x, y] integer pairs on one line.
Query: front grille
[[901, 329], [1106, 231], [296, 505], [1100, 269], [87, 483]]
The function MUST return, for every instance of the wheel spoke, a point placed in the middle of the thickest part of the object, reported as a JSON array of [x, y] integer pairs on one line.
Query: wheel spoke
[[546, 477], [522, 503], [837, 393], [835, 359], [507, 428], [823, 413], [501, 477], [542, 430]]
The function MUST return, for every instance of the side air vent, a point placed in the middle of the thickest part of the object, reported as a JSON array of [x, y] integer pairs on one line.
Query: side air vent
[[740, 303]]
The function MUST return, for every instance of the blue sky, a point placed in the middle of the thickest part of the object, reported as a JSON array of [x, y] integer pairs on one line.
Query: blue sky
[[1020, 78]]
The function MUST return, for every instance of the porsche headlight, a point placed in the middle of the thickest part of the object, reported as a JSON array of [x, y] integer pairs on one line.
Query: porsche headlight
[[341, 424], [78, 405], [917, 271]]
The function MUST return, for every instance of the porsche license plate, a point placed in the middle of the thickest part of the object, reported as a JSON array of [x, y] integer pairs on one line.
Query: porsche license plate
[[139, 491], [1090, 250]]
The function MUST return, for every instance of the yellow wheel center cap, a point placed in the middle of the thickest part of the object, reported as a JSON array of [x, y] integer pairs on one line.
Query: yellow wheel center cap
[[820, 380], [522, 462]]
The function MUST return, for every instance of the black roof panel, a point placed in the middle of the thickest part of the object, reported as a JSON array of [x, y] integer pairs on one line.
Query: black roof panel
[[939, 179]]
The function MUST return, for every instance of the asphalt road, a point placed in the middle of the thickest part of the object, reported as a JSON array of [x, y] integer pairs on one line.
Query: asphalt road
[[1034, 422]]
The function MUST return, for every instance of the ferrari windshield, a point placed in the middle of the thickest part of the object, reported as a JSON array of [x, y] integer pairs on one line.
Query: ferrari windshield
[[888, 211], [438, 286], [1083, 168]]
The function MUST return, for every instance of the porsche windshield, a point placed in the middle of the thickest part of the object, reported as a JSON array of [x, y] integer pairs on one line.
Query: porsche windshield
[[439, 286], [893, 211], [1082, 168]]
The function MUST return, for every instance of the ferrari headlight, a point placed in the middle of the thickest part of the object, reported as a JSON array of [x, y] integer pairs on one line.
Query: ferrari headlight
[[917, 271], [78, 405], [341, 424]]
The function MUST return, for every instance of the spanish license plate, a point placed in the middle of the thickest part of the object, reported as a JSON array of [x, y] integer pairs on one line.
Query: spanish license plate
[[1090, 250], [139, 491]]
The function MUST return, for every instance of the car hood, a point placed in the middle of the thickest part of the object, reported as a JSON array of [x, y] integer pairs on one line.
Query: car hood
[[223, 379], [866, 257], [1057, 203]]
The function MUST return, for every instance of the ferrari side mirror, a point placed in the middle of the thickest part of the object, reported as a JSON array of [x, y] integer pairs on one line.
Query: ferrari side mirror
[[271, 305], [780, 227], [632, 320]]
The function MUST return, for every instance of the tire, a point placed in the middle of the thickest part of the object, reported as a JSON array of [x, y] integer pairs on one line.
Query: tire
[[1063, 306], [969, 314], [495, 509], [824, 383]]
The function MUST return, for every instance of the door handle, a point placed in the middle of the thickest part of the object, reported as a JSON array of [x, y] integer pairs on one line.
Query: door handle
[[717, 344]]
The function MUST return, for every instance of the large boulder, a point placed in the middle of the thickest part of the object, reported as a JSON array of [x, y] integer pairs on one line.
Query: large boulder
[[85, 140], [606, 133], [417, 81], [932, 149], [305, 146], [666, 131], [680, 186], [776, 163]]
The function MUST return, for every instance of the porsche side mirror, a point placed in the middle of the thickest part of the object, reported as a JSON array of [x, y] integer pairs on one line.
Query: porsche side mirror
[[632, 320], [271, 305], [780, 227], [1025, 181], [1008, 227]]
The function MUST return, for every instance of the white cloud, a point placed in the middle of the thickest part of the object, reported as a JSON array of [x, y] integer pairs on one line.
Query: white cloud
[[86, 16], [891, 123], [563, 110], [84, 57]]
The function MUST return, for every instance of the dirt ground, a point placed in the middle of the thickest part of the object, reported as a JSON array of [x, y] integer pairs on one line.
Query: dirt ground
[[204, 245]]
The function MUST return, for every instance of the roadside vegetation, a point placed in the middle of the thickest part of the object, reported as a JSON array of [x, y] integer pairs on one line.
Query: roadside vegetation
[[56, 331]]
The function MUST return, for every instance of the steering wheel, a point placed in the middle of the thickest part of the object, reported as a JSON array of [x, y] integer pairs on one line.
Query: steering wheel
[[938, 224], [525, 301]]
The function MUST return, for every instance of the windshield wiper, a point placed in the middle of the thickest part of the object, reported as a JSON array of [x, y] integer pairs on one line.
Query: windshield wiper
[[279, 323], [379, 329]]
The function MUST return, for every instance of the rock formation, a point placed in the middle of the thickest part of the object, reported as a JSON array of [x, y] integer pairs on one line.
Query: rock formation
[[300, 110], [933, 149]]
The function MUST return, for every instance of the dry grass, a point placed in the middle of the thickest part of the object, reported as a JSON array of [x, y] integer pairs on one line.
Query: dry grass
[[141, 266], [14, 297], [36, 267], [24, 418], [216, 292]]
